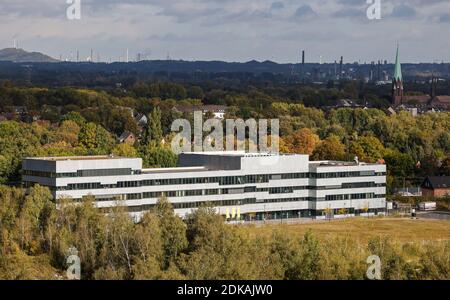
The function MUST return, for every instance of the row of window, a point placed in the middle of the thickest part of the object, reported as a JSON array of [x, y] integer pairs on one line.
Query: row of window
[[117, 197], [351, 210], [352, 197], [227, 180], [274, 190], [356, 185], [137, 196], [219, 203], [346, 174]]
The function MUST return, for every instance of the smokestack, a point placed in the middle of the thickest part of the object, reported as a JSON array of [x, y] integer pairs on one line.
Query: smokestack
[[379, 70], [303, 67], [335, 69], [341, 65]]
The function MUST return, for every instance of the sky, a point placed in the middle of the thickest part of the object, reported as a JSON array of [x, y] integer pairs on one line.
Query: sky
[[231, 30]]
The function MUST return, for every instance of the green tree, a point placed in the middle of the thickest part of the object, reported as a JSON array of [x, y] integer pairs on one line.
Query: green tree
[[125, 150], [393, 264], [148, 245], [75, 117], [153, 135], [367, 148], [330, 149], [158, 157], [95, 139], [173, 231]]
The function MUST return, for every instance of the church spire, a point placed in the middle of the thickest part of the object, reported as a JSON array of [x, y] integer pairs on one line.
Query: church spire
[[397, 82], [398, 67]]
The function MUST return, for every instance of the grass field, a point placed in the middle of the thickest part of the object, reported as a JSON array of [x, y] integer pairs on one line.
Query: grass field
[[362, 229]]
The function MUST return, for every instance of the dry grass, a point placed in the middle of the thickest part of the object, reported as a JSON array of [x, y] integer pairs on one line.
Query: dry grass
[[362, 229]]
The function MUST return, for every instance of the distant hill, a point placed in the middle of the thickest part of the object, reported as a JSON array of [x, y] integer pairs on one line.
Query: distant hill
[[20, 55]]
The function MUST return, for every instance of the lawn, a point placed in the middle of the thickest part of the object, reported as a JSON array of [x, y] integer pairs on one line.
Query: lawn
[[362, 229]]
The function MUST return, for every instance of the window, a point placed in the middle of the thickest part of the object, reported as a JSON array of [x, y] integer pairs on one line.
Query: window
[[104, 172]]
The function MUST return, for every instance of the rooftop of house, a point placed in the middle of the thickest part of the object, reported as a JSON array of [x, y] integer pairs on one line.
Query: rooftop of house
[[125, 135], [438, 182]]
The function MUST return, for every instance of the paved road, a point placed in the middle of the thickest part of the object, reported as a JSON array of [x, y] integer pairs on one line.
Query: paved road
[[439, 215]]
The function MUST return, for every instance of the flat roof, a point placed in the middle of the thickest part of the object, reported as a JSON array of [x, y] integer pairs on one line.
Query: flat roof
[[174, 170], [241, 153], [73, 158], [329, 163]]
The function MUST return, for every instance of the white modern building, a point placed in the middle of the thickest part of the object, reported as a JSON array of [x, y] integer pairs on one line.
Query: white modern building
[[239, 185]]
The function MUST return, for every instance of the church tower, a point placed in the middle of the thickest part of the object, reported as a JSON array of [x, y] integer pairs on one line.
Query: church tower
[[397, 82]]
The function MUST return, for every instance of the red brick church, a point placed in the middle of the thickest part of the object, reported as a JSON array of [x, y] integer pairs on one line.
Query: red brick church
[[431, 100]]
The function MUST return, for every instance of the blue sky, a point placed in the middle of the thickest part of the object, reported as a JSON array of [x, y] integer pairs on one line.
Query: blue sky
[[231, 30]]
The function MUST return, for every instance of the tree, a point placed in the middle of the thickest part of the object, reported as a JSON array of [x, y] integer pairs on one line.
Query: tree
[[301, 259], [158, 157], [393, 264], [148, 245], [302, 141], [195, 92], [33, 217], [95, 139], [68, 132], [399, 164], [330, 149], [445, 167], [119, 243], [173, 231], [153, 134], [367, 148], [205, 228], [125, 150], [75, 117]]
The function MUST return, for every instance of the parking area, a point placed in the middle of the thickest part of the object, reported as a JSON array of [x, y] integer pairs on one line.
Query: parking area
[[437, 215]]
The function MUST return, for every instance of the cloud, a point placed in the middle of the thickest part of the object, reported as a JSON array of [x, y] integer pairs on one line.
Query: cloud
[[304, 12], [403, 11], [277, 5], [445, 18], [349, 13]]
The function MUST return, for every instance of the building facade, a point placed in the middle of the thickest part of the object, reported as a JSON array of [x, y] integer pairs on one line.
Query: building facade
[[240, 186], [436, 186]]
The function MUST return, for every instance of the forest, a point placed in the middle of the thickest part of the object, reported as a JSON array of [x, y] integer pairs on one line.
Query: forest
[[37, 238], [73, 121]]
